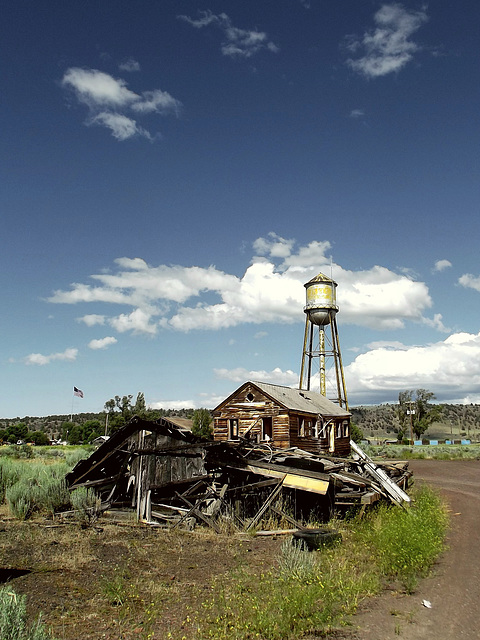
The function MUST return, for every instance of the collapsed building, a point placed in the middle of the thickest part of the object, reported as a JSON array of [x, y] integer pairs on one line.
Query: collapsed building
[[171, 478], [277, 451]]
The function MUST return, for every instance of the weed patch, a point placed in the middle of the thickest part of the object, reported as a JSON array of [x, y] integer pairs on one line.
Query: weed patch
[[316, 591]]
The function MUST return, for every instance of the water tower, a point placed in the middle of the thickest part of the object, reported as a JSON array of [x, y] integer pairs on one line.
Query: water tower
[[321, 347]]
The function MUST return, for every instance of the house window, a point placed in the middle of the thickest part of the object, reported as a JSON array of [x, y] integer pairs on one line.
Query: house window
[[301, 427], [267, 429], [233, 429], [305, 427], [250, 397], [345, 429], [321, 429]]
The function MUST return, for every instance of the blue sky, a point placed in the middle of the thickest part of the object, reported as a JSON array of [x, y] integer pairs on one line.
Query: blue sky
[[174, 171]]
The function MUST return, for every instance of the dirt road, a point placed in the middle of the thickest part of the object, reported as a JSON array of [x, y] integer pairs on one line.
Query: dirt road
[[454, 588]]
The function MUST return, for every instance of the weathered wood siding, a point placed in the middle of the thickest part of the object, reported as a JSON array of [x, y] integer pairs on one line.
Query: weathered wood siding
[[156, 468], [249, 405]]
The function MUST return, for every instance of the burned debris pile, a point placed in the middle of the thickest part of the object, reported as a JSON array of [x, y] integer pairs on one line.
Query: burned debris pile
[[173, 479]]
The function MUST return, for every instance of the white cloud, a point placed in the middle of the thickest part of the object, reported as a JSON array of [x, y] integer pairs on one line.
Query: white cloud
[[470, 281], [274, 246], [138, 321], [242, 43], [96, 88], [69, 355], [172, 404], [109, 100], [450, 368], [357, 113], [102, 343], [271, 290], [276, 376], [92, 319], [441, 265], [388, 47], [121, 126], [129, 65]]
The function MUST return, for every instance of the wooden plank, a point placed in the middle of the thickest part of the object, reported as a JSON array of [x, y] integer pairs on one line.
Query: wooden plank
[[275, 493]]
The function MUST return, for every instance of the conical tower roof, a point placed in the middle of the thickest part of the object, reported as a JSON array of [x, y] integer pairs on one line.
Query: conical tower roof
[[321, 277]]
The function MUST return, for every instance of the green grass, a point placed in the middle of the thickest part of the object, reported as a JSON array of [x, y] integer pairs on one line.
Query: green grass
[[315, 592], [36, 485], [423, 452]]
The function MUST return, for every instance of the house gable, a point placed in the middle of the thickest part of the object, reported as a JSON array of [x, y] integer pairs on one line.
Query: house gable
[[286, 417]]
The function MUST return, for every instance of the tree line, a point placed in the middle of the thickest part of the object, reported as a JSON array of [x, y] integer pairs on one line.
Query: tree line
[[85, 428]]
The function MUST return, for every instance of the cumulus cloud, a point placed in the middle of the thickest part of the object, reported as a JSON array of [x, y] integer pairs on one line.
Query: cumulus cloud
[[239, 43], [450, 368], [92, 319], [470, 281], [69, 355], [270, 291], [357, 113], [102, 343], [110, 101], [275, 376], [441, 265], [387, 48]]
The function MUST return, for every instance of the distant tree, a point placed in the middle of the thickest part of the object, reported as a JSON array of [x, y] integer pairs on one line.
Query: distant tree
[[38, 438], [424, 413], [91, 429], [140, 408], [124, 403], [75, 435], [110, 406], [66, 428], [356, 434], [202, 423]]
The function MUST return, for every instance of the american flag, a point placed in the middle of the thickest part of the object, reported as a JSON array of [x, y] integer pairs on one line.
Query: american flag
[[77, 392]]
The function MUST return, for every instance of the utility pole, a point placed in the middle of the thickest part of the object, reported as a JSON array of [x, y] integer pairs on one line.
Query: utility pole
[[411, 413]]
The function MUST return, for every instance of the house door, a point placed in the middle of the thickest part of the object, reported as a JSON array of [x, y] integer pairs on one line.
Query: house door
[[267, 429]]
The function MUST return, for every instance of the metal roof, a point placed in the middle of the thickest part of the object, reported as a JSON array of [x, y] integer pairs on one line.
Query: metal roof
[[302, 400]]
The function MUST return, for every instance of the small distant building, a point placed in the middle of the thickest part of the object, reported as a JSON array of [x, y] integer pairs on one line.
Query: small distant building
[[285, 417]]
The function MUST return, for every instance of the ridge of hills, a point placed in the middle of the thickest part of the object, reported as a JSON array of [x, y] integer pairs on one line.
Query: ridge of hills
[[376, 421]]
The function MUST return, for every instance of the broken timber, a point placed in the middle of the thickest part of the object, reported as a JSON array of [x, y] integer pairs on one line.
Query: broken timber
[[171, 478]]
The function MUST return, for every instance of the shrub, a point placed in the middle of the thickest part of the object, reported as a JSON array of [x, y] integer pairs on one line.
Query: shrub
[[86, 504], [13, 616]]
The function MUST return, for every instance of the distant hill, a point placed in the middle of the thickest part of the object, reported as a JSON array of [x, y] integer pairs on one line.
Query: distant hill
[[457, 420], [376, 421]]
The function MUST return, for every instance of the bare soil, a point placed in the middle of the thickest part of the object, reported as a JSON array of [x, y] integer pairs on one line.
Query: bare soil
[[121, 581], [125, 581], [453, 589]]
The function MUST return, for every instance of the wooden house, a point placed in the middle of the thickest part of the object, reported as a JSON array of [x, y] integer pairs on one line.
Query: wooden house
[[284, 417]]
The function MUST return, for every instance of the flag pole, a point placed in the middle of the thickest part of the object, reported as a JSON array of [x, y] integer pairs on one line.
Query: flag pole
[[71, 413]]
